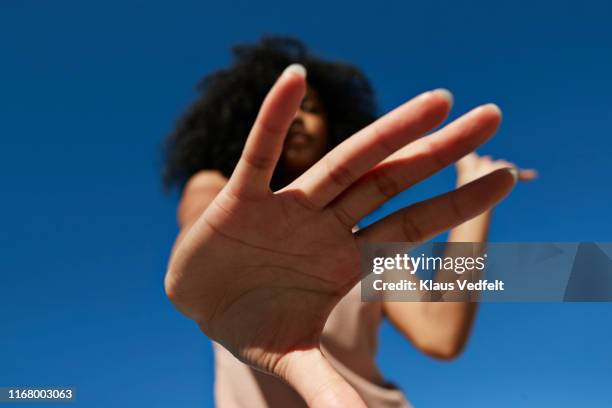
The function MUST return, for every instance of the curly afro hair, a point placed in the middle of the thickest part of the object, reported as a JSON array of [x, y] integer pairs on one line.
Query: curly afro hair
[[213, 131]]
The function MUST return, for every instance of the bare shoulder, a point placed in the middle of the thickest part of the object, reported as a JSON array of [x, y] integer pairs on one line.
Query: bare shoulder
[[205, 180], [199, 191]]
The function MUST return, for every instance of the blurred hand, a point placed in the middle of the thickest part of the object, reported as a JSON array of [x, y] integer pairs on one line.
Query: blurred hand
[[260, 271], [473, 166]]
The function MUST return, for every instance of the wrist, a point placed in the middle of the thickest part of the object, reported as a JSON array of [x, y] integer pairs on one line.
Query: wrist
[[463, 180]]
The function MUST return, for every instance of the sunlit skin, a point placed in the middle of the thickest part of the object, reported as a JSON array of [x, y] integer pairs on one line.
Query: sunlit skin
[[260, 270]]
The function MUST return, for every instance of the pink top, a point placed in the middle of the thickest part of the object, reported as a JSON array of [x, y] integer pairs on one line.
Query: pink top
[[349, 342]]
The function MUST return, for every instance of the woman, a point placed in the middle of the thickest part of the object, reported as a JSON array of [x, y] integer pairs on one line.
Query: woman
[[267, 258]]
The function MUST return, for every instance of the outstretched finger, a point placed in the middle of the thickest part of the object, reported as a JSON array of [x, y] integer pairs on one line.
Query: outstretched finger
[[426, 219], [415, 162], [265, 142], [313, 377], [527, 174]]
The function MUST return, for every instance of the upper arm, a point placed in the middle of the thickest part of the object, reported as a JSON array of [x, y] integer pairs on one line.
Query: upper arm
[[199, 192], [438, 329], [407, 318]]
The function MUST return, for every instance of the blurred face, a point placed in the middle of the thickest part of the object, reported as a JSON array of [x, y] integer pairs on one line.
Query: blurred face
[[306, 141]]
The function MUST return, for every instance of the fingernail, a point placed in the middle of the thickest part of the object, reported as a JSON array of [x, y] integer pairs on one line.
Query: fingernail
[[296, 69], [496, 107], [514, 172], [446, 93]]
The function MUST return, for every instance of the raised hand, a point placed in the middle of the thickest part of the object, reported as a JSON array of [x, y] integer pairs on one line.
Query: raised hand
[[474, 166], [260, 271]]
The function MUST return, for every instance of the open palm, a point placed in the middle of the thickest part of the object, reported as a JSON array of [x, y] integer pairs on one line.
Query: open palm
[[260, 271]]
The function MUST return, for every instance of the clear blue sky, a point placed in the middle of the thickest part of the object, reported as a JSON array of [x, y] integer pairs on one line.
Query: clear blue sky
[[89, 90]]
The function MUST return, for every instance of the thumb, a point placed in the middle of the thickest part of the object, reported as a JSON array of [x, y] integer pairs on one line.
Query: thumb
[[313, 377]]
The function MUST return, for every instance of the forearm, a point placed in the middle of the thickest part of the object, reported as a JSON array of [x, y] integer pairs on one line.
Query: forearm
[[474, 230], [454, 319], [470, 232]]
